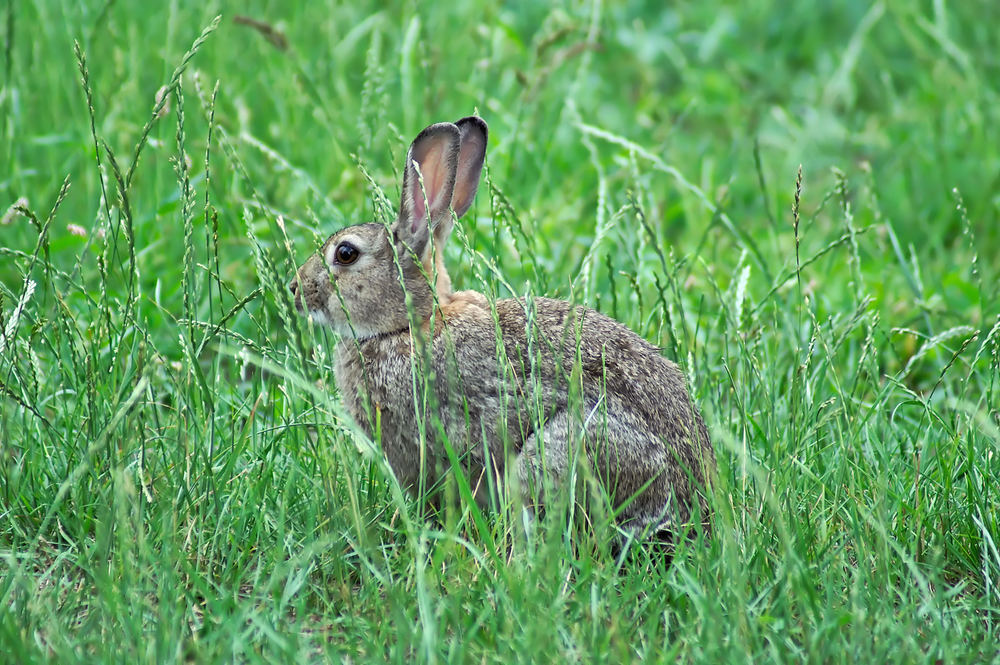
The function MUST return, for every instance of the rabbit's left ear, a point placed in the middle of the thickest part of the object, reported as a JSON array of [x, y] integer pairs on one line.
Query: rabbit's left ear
[[435, 152]]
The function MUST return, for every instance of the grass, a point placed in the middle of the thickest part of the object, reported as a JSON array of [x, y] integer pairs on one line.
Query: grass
[[178, 480]]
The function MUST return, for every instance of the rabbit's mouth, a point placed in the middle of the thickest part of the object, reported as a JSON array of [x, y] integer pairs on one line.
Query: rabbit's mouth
[[305, 308], [311, 289], [319, 318]]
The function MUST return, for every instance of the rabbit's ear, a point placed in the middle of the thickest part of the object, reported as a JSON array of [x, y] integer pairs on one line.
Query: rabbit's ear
[[470, 162], [435, 152]]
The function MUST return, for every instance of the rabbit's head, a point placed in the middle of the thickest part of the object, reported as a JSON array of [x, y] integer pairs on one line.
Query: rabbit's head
[[358, 281]]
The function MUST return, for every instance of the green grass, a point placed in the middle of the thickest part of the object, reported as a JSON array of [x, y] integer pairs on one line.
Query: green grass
[[178, 480]]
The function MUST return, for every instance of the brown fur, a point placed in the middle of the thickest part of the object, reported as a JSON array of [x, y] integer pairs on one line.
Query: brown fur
[[522, 390]]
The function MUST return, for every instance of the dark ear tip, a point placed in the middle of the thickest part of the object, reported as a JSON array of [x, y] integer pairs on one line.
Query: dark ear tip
[[438, 128], [473, 121]]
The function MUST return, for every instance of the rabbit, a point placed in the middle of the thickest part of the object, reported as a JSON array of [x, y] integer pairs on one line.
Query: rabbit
[[523, 382]]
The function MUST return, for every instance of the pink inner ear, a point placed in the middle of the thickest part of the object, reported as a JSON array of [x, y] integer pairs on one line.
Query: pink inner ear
[[434, 168], [419, 211]]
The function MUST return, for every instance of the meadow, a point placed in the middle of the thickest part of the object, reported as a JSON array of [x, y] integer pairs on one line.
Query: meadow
[[799, 202]]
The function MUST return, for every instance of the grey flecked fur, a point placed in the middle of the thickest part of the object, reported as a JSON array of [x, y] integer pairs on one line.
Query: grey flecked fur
[[524, 382]]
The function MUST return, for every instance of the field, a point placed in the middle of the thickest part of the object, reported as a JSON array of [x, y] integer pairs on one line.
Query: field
[[799, 202]]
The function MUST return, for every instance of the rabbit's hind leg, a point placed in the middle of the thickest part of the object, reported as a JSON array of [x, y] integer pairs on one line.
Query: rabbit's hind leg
[[542, 464]]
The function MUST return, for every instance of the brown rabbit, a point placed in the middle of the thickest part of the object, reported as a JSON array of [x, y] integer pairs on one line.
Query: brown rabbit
[[528, 382]]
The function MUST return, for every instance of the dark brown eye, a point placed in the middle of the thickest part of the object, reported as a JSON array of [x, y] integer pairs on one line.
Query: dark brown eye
[[346, 253]]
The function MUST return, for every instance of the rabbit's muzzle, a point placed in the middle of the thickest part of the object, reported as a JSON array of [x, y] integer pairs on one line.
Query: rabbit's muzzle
[[311, 286]]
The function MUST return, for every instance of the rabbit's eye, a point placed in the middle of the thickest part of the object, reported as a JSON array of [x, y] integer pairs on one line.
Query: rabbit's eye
[[346, 253]]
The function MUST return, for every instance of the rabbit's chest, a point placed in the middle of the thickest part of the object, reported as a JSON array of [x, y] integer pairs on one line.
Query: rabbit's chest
[[376, 386]]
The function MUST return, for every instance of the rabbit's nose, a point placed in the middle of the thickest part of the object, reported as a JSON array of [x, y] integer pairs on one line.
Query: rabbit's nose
[[294, 286]]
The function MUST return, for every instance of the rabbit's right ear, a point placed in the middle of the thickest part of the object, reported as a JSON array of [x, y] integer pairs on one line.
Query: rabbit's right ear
[[470, 162], [471, 154], [435, 152]]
